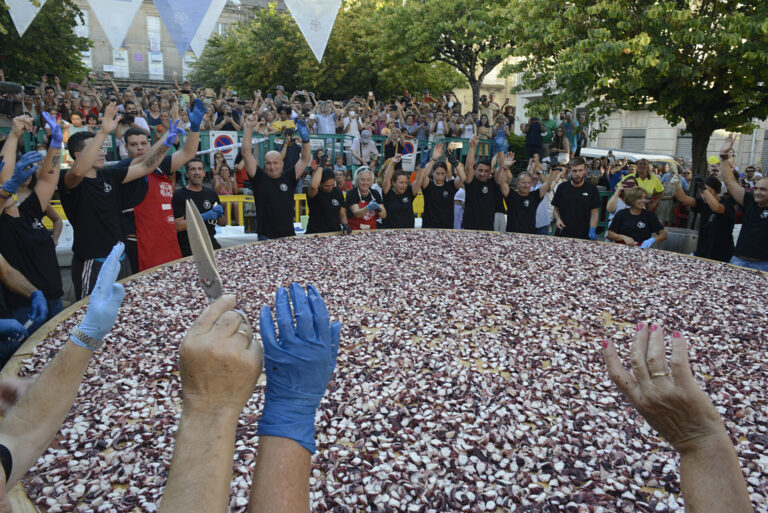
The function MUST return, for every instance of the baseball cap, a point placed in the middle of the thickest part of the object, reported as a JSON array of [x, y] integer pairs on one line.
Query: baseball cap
[[365, 136], [280, 88]]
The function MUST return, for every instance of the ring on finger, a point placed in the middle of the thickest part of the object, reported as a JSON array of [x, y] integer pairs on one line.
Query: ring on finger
[[659, 374]]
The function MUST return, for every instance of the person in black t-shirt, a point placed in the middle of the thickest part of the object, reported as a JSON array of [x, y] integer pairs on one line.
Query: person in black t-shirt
[[273, 186], [399, 194], [440, 190], [717, 219], [577, 204], [523, 203], [327, 212], [636, 225], [207, 202], [90, 196], [482, 192], [752, 247]]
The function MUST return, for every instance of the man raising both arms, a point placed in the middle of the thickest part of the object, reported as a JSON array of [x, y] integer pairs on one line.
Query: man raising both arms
[[272, 187], [90, 196]]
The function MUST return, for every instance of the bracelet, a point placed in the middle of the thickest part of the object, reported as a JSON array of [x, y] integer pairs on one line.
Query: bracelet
[[85, 341], [3, 193], [724, 156]]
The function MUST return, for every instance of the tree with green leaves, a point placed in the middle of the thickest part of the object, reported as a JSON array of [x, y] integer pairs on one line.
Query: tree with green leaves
[[471, 37], [269, 50], [701, 62], [49, 45]]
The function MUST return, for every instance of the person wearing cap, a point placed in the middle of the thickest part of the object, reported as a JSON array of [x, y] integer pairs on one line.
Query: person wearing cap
[[364, 150], [280, 96]]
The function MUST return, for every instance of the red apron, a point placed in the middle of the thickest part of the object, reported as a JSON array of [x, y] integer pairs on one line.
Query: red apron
[[368, 222], [155, 228]]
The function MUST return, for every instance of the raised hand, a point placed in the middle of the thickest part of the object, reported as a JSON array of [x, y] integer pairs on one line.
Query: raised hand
[[23, 170], [57, 137], [509, 159], [196, 115], [111, 117], [21, 124], [475, 139], [727, 146], [302, 131], [173, 134], [298, 364], [438, 150]]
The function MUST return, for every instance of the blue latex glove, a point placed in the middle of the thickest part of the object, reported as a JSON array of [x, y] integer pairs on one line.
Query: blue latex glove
[[298, 365], [13, 329], [196, 115], [174, 132], [647, 243], [302, 131], [373, 206], [105, 300], [213, 214], [39, 306], [56, 136], [20, 173], [592, 233], [500, 142]]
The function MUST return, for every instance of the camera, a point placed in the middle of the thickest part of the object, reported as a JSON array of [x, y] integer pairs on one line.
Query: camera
[[128, 120]]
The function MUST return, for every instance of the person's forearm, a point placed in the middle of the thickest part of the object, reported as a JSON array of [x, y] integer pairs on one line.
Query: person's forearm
[[27, 430], [711, 479], [610, 235], [154, 157], [661, 236], [201, 469], [188, 151], [58, 226], [593, 217], [16, 282], [281, 477]]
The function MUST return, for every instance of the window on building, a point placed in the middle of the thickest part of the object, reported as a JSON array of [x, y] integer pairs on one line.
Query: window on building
[[222, 28], [120, 61], [189, 61], [764, 155], [684, 146], [633, 139]]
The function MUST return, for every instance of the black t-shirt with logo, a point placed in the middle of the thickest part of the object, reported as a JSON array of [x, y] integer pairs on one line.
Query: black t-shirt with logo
[[204, 200], [28, 247], [753, 238], [521, 211], [716, 230], [274, 202], [399, 209], [575, 205], [640, 227], [480, 204], [438, 205], [93, 209], [134, 192], [324, 210]]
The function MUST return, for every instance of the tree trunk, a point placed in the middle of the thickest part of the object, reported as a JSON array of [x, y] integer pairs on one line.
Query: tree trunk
[[475, 85], [700, 136]]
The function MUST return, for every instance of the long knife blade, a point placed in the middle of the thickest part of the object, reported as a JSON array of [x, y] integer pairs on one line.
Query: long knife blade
[[202, 252]]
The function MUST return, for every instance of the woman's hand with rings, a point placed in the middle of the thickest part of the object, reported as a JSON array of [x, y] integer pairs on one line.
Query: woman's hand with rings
[[667, 396]]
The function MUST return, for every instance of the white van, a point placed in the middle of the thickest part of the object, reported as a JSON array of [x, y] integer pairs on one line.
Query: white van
[[653, 159]]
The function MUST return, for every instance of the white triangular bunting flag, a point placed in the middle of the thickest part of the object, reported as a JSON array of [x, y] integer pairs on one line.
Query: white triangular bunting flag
[[206, 27], [23, 12], [115, 18], [315, 18], [182, 18]]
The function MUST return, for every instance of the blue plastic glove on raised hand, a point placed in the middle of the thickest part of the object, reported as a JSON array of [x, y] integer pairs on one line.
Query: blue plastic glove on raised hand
[[647, 243], [13, 329], [57, 137], [174, 132], [196, 115], [39, 306], [500, 142], [213, 214], [302, 131], [103, 304], [22, 171], [372, 206], [592, 233], [298, 364]]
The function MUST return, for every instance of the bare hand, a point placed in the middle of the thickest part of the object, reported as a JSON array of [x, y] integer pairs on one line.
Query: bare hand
[[437, 152], [21, 124], [111, 118], [509, 159], [219, 360], [475, 139], [727, 146], [560, 225], [673, 404]]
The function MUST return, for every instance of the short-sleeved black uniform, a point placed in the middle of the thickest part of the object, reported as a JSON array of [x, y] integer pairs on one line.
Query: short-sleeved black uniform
[[28, 247], [438, 205], [399, 208], [274, 202], [324, 210], [480, 204], [204, 200], [521, 211], [716, 230], [753, 238], [640, 227], [93, 208], [576, 204]]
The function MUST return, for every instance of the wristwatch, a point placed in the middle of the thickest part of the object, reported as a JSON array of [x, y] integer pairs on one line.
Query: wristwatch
[[85, 341]]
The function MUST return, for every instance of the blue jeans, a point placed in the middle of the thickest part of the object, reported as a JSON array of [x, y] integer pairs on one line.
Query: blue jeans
[[543, 230], [761, 265], [22, 313]]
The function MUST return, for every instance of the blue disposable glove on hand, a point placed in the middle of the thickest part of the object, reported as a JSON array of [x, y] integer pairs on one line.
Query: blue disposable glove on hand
[[174, 132], [104, 302], [373, 206], [20, 173], [302, 131], [647, 243], [13, 329], [39, 306], [56, 136], [196, 115], [500, 142], [213, 214], [592, 233], [298, 364]]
